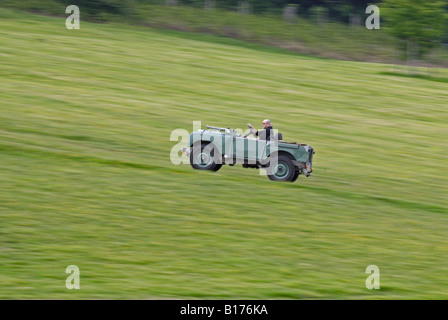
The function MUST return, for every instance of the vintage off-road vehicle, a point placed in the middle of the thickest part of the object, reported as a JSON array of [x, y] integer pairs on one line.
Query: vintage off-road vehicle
[[284, 161]]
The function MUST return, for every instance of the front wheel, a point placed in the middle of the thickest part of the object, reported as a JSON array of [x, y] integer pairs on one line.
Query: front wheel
[[205, 157], [296, 175], [283, 170]]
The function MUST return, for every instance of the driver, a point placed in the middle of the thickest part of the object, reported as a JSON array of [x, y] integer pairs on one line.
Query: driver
[[263, 134]]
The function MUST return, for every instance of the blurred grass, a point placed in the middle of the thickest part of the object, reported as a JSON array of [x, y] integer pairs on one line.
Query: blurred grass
[[86, 179]]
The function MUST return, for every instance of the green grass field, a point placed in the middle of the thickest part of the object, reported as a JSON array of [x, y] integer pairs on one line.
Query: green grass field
[[86, 177]]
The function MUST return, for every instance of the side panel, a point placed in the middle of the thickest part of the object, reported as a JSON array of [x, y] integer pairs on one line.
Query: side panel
[[217, 138], [291, 149], [301, 154], [249, 150], [195, 137], [239, 146], [228, 146]]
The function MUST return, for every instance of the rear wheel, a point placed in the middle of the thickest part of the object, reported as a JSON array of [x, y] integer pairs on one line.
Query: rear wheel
[[283, 170], [205, 157]]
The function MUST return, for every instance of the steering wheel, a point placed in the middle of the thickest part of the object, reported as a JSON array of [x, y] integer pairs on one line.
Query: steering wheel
[[250, 132]]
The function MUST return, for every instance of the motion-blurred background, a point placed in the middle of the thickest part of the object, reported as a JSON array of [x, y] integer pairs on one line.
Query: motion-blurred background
[[86, 177]]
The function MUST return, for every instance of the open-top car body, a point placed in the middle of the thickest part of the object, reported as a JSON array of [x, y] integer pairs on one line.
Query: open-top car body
[[213, 147]]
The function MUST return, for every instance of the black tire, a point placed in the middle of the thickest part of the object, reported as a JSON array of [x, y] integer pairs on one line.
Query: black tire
[[283, 170], [296, 175], [207, 158]]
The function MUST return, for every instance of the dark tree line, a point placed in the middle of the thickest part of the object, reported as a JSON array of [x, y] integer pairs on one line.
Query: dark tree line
[[336, 9], [273, 5], [91, 7]]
